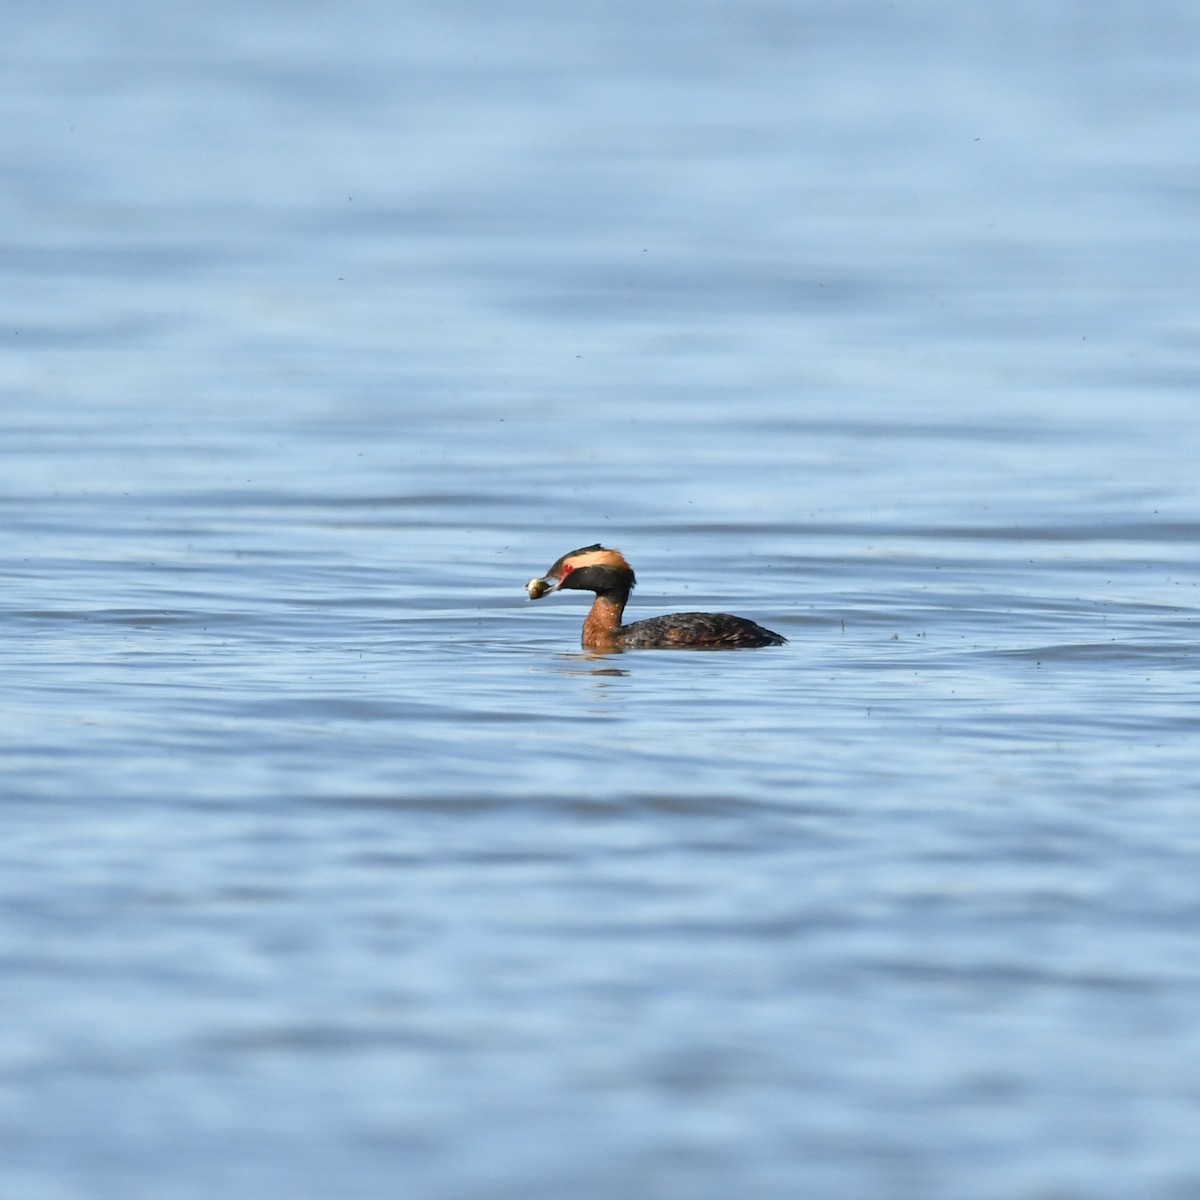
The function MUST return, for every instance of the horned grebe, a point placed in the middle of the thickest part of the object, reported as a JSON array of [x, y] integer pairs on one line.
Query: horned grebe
[[605, 572]]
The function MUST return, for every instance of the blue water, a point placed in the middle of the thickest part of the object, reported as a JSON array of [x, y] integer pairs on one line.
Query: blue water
[[332, 867]]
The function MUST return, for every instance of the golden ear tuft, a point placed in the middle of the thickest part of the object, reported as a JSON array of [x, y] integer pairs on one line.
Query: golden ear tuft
[[597, 556]]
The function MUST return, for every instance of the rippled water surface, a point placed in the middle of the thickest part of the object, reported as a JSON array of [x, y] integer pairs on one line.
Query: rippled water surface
[[332, 867]]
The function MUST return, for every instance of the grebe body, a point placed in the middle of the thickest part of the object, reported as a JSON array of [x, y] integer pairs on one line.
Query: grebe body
[[605, 572]]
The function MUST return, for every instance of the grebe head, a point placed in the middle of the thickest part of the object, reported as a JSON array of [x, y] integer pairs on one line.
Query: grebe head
[[590, 569]]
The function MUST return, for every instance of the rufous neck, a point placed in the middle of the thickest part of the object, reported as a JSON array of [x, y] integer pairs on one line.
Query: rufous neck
[[602, 623]]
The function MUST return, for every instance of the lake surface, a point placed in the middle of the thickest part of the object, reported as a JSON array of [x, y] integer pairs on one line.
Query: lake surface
[[332, 867]]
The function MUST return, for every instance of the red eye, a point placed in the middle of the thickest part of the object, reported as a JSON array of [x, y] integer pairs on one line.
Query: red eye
[[566, 571]]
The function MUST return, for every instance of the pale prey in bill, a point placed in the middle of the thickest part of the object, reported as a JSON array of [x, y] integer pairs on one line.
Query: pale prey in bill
[[605, 572]]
